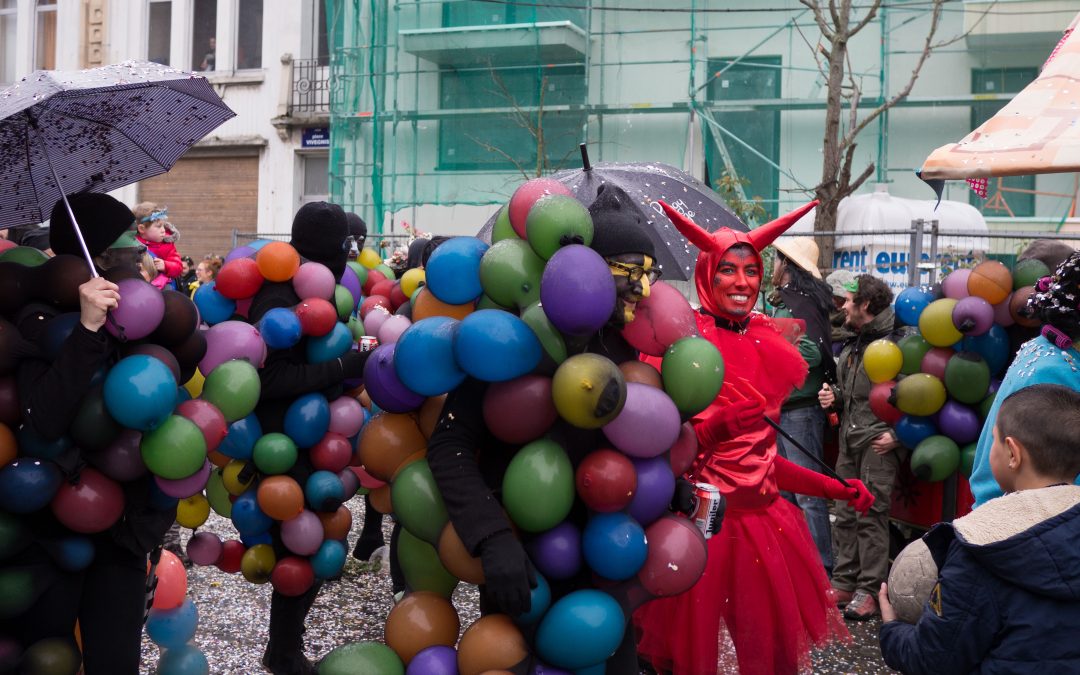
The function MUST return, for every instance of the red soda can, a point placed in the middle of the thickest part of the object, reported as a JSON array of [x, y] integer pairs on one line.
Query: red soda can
[[368, 343], [706, 504]]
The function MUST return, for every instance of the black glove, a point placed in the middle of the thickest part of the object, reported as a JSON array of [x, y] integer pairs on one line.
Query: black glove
[[352, 364], [683, 502], [508, 574]]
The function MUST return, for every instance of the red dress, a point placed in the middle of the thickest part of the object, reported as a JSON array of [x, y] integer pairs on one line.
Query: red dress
[[763, 585]]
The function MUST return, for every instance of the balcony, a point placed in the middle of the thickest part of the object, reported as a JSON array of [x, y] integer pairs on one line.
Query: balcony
[[1016, 24], [506, 44]]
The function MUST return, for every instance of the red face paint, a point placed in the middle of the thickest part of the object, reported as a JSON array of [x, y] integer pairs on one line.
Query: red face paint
[[736, 282]]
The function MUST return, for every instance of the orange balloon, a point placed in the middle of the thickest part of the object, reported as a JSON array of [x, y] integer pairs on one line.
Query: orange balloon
[[641, 372], [492, 643], [422, 619], [990, 280], [380, 499], [280, 497], [172, 582], [456, 559], [217, 459], [278, 261], [387, 441], [8, 446], [429, 414], [1018, 302], [427, 305], [364, 399], [336, 525]]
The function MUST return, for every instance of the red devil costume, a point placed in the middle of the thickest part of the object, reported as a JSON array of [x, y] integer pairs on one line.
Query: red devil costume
[[764, 584]]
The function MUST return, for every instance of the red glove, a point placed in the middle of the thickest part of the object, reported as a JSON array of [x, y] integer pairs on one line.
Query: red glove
[[794, 478], [740, 414]]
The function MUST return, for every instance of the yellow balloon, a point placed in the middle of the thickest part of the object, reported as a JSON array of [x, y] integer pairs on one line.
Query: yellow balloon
[[193, 511], [411, 280], [369, 258], [936, 324], [588, 390], [882, 360], [257, 563], [195, 384], [920, 394], [230, 477]]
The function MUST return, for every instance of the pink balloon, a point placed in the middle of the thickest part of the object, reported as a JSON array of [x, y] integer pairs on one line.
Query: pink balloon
[[955, 285], [204, 548], [303, 534], [375, 319], [1002, 316], [935, 360], [366, 479], [5, 244], [91, 505], [648, 425], [314, 280], [347, 416], [182, 488], [659, 320], [208, 418], [676, 557], [122, 460], [392, 329], [140, 311], [526, 195], [230, 340], [973, 315]]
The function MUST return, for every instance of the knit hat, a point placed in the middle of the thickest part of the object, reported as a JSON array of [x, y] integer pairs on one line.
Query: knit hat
[[839, 281], [356, 224], [319, 230], [618, 225], [101, 219]]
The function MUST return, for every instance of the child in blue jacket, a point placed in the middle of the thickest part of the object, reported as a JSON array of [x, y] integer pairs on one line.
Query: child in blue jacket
[[1008, 593]]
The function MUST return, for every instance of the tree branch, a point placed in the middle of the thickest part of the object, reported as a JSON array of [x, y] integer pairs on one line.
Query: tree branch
[[969, 31], [819, 18], [866, 19], [497, 150], [862, 177], [813, 50]]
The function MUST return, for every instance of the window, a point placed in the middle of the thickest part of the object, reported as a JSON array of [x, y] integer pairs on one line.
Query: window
[[507, 142], [316, 178], [482, 13], [7, 41], [750, 78], [323, 44], [1000, 202], [159, 32], [45, 36], [204, 35], [249, 30]]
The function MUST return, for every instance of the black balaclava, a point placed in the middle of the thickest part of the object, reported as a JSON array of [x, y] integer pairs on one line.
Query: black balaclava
[[619, 226], [319, 230], [101, 218]]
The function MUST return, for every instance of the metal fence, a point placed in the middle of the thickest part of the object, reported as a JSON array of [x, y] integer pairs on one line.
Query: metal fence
[[310, 87]]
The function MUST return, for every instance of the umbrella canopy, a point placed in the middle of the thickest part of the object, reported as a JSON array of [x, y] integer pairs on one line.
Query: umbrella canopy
[[647, 185], [96, 130]]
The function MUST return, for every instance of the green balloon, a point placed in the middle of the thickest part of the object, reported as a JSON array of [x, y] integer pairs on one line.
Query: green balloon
[[344, 302], [967, 459], [14, 535], [555, 221], [18, 590], [935, 458], [361, 658], [693, 372], [417, 502], [176, 449], [550, 338], [984, 407], [487, 303], [967, 377], [538, 486], [421, 566], [361, 271], [920, 394], [1028, 272], [502, 228], [234, 388], [93, 429], [51, 656], [386, 271], [356, 327], [217, 495], [913, 348], [274, 453], [510, 273], [24, 255]]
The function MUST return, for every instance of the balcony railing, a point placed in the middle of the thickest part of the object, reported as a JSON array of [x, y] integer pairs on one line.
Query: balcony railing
[[310, 87]]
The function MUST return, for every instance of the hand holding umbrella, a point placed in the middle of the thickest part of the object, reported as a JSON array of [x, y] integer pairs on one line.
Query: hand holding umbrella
[[96, 298]]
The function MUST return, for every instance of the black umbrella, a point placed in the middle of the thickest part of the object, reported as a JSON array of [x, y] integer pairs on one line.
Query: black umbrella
[[647, 184]]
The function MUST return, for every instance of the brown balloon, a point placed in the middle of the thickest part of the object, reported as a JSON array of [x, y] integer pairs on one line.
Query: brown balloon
[[8, 447], [492, 643], [189, 352], [429, 414], [456, 559], [280, 497], [218, 459], [387, 442], [380, 499], [336, 525], [422, 619], [181, 320], [520, 410], [641, 372], [1017, 302], [60, 278]]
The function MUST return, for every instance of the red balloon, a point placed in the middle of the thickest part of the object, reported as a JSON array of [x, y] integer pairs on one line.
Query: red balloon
[[239, 278], [526, 195], [935, 360], [520, 410], [676, 557], [397, 296], [332, 453], [317, 317], [383, 288], [685, 450], [292, 576], [91, 505], [231, 553], [879, 403], [172, 582], [366, 479], [373, 301], [373, 277], [606, 480], [207, 417], [659, 320]]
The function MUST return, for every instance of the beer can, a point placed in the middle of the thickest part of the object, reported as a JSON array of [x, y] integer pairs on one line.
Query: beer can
[[706, 504], [368, 343]]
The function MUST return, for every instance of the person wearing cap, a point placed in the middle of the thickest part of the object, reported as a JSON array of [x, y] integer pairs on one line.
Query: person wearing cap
[[800, 294], [838, 280]]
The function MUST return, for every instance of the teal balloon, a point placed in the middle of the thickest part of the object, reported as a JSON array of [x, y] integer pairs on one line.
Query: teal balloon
[[140, 392], [693, 372], [502, 228], [538, 486], [580, 630], [418, 505], [495, 346], [935, 458], [552, 341], [993, 346], [330, 346], [555, 221], [510, 273], [967, 377], [421, 566], [174, 450], [424, 358], [183, 660], [540, 602], [172, 628], [362, 657]]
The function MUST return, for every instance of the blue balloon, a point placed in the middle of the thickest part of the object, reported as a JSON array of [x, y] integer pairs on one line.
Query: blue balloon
[[580, 630], [496, 346], [307, 420], [72, 553], [183, 660], [452, 273], [328, 560], [27, 485], [330, 346], [258, 243], [56, 333], [213, 306], [993, 346], [280, 328], [240, 441], [540, 602], [249, 540], [912, 430], [182, 395], [910, 303], [140, 392], [247, 517], [172, 628], [614, 545], [31, 444], [159, 501], [434, 660], [324, 491], [424, 358]]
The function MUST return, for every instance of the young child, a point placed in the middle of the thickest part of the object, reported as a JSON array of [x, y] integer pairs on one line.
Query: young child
[[1008, 591], [155, 234]]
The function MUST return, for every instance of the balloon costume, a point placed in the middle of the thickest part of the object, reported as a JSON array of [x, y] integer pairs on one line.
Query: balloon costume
[[763, 585]]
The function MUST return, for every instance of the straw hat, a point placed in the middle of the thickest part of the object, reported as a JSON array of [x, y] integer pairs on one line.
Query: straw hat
[[802, 251]]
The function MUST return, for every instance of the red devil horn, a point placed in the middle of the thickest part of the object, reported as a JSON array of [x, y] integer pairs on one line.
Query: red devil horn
[[691, 230], [767, 233]]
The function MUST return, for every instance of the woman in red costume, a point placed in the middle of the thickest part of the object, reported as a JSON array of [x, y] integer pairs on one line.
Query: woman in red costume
[[763, 584]]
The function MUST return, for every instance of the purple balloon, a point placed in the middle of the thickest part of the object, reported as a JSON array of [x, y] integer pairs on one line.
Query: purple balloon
[[239, 252], [352, 282], [122, 460], [230, 340], [655, 488], [955, 285], [141, 310], [973, 315], [557, 552], [204, 548], [350, 480], [391, 329], [577, 290], [383, 385], [959, 422], [182, 488], [375, 319], [346, 416], [434, 660], [303, 535], [648, 423]]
